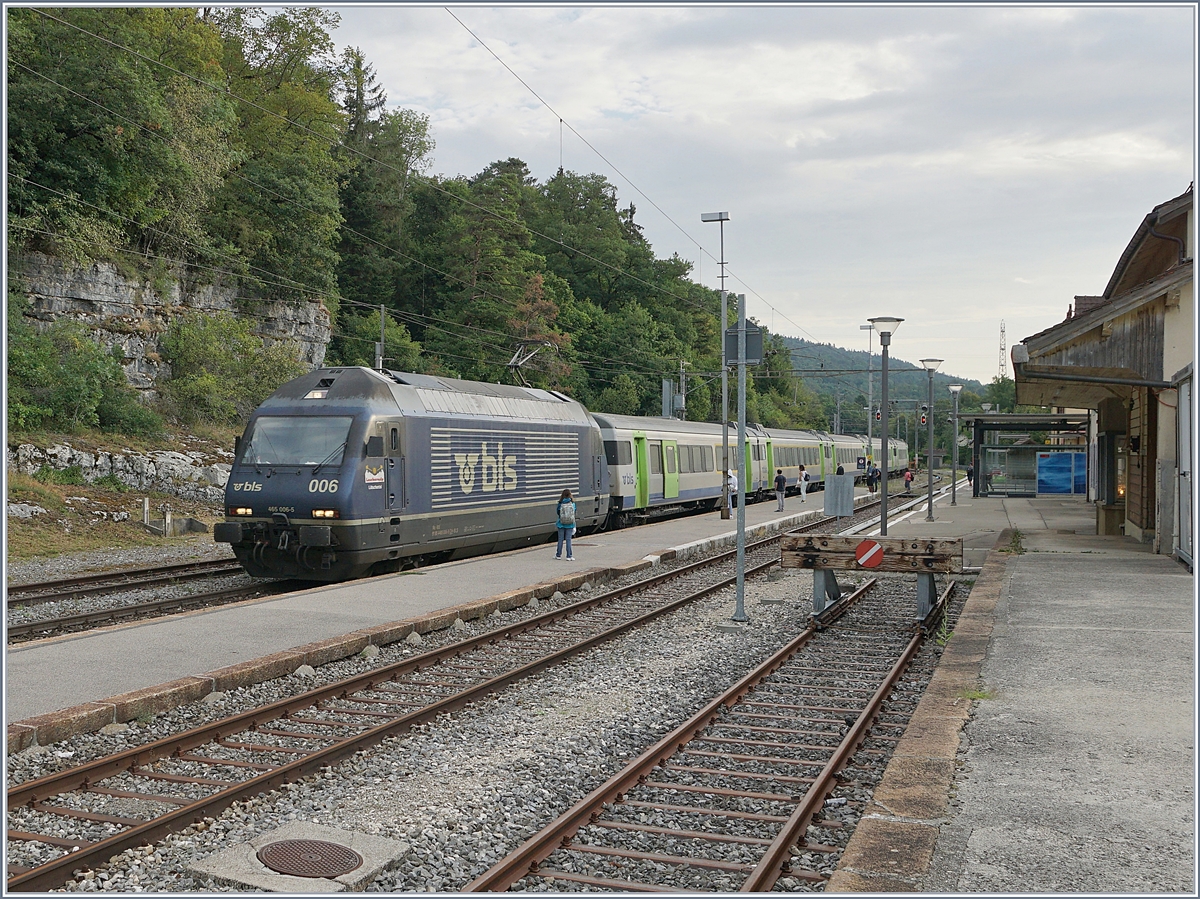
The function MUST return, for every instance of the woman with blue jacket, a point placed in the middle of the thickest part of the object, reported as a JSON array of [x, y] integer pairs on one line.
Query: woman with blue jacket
[[565, 513]]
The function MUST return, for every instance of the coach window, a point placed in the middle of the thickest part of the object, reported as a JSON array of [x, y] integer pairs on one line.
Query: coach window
[[656, 458], [685, 460], [618, 452], [670, 460]]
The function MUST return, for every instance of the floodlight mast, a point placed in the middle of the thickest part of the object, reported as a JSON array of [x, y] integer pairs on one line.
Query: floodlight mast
[[886, 325], [721, 218], [931, 365]]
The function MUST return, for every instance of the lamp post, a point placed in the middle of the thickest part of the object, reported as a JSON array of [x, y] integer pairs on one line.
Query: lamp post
[[931, 365], [886, 326], [955, 389], [722, 218], [739, 614], [870, 329]]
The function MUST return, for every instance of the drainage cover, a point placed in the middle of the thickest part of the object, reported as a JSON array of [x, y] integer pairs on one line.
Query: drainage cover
[[309, 858]]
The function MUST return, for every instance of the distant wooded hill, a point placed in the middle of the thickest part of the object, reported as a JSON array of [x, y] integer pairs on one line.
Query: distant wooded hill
[[829, 370]]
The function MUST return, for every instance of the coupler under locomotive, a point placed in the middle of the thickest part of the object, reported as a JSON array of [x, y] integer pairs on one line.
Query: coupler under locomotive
[[279, 548]]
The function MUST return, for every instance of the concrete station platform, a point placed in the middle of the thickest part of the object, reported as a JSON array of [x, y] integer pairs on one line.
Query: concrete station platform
[[1054, 750]]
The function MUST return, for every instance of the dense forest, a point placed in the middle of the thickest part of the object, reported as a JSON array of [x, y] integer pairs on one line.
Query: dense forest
[[240, 146]]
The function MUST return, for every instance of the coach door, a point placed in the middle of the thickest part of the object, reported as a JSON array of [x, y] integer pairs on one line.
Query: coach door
[[641, 458], [394, 447], [654, 449], [670, 469]]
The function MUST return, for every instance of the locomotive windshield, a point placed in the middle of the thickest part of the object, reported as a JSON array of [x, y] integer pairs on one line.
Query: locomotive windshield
[[297, 440]]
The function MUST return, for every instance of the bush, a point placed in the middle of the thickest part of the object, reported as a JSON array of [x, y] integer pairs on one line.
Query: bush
[[220, 371], [72, 474], [111, 482], [61, 377]]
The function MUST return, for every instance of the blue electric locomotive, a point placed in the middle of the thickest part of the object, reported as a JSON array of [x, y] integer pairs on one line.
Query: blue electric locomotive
[[345, 472]]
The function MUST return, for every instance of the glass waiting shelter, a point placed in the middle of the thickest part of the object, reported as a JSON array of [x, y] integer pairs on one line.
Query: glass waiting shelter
[[1020, 454]]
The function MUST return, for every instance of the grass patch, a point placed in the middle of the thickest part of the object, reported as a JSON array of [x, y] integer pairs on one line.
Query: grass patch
[[978, 693], [943, 634], [24, 489], [111, 482], [72, 475], [1014, 543]]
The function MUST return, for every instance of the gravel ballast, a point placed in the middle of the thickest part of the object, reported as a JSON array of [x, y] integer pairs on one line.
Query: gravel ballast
[[467, 789]]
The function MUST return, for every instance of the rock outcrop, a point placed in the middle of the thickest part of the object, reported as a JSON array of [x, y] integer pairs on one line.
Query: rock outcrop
[[132, 314], [191, 475]]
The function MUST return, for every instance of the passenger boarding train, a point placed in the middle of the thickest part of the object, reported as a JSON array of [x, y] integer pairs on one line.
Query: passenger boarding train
[[344, 472]]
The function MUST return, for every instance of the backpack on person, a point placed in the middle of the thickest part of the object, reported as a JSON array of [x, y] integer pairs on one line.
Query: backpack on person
[[566, 514]]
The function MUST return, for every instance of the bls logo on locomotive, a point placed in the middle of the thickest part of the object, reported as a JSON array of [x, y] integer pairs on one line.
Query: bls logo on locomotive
[[498, 472], [248, 486]]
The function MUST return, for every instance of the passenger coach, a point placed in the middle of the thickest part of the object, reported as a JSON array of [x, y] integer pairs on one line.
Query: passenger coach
[[348, 471]]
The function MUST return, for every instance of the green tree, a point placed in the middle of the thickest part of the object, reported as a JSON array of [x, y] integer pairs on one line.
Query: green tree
[[220, 371], [355, 339], [108, 145], [60, 377], [279, 209]]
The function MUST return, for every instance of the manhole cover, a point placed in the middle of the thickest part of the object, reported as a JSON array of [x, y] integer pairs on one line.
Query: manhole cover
[[309, 858]]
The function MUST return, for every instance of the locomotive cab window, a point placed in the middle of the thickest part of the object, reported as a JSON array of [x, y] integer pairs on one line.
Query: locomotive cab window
[[297, 440]]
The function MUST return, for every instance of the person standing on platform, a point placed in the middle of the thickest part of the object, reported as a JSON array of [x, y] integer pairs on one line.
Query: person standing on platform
[[840, 470], [970, 475], [565, 513], [781, 488], [803, 483], [908, 480], [733, 491]]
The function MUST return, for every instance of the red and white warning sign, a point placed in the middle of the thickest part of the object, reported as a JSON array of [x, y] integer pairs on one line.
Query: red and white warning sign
[[868, 553]]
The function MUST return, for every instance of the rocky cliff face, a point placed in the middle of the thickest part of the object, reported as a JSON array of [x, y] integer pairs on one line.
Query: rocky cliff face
[[133, 314]]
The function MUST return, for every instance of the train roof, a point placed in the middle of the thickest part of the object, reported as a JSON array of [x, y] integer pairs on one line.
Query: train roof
[[658, 424], [427, 394]]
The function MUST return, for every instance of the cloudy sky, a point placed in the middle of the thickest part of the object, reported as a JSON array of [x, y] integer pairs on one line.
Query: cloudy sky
[[955, 167]]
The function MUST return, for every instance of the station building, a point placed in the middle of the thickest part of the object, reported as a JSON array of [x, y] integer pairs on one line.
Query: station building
[[1129, 355]]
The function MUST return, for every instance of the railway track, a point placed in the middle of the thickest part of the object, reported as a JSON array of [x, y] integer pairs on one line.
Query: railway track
[[81, 817], [112, 581], [19, 632], [730, 800]]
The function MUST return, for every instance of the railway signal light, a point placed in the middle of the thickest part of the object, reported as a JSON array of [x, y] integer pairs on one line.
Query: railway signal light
[[924, 418], [924, 414], [878, 414]]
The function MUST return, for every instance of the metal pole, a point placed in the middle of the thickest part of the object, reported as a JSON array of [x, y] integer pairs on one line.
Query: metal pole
[[724, 387], [884, 340], [739, 613], [954, 451], [870, 329], [929, 449]]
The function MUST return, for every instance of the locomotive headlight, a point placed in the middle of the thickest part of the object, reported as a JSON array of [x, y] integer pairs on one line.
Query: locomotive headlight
[[240, 510], [326, 513]]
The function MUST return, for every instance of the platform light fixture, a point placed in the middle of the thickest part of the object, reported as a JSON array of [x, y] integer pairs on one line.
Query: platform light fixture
[[931, 365], [886, 326]]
